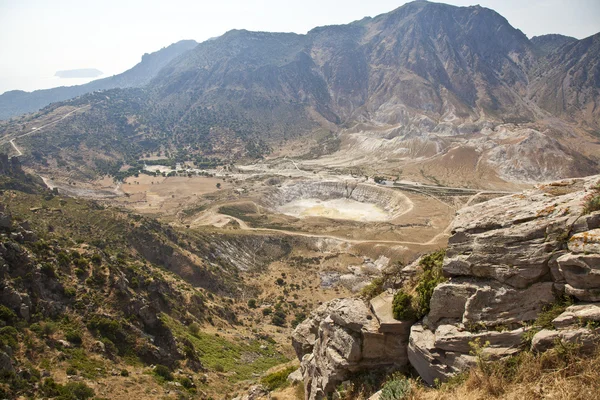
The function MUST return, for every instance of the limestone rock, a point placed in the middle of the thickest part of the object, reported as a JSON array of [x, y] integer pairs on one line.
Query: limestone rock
[[448, 301], [577, 314], [495, 304], [382, 308], [430, 362], [295, 376], [451, 338], [343, 337], [545, 339], [581, 271], [585, 242], [256, 392]]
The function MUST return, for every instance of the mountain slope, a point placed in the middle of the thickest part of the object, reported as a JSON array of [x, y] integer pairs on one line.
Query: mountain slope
[[17, 102], [569, 83]]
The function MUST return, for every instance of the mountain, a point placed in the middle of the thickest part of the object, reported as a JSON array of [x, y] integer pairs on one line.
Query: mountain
[[18, 102], [408, 90], [546, 44]]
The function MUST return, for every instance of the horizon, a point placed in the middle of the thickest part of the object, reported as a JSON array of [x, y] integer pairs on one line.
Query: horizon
[[115, 43]]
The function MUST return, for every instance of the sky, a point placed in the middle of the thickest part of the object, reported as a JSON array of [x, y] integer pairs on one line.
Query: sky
[[40, 37]]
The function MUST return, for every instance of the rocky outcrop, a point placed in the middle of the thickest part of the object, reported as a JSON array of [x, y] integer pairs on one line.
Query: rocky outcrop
[[345, 336], [507, 258]]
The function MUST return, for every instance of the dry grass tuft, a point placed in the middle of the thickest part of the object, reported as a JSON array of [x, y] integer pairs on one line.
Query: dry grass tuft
[[560, 374]]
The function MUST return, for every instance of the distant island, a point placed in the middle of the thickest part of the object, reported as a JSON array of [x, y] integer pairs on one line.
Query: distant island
[[79, 73]]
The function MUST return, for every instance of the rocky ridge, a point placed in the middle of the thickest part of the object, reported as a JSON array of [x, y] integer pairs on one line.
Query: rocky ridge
[[507, 261]]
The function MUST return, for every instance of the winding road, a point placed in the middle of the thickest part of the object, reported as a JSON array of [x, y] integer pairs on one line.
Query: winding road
[[5, 140]]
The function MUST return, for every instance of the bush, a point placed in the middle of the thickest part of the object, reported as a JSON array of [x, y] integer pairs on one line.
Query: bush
[[124, 373], [194, 328], [278, 318], [592, 201], [429, 279], [402, 308], [277, 380], [252, 303], [267, 311], [163, 372], [7, 315], [74, 337], [76, 391], [8, 337], [373, 289], [71, 371], [396, 389]]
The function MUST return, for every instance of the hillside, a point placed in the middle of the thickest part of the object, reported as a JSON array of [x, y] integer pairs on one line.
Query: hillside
[[17, 102]]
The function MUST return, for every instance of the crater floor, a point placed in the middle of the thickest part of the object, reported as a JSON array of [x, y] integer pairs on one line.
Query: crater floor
[[342, 208]]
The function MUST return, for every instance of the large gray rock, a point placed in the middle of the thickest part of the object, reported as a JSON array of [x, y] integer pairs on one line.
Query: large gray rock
[[344, 337], [431, 362]]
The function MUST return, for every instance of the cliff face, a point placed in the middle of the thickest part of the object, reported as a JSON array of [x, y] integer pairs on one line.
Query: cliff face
[[507, 260]]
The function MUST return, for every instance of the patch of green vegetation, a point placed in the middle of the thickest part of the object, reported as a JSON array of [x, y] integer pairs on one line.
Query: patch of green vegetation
[[592, 201], [402, 307], [216, 352], [406, 306], [396, 389], [163, 373], [545, 318], [69, 391], [86, 366], [373, 289], [277, 380]]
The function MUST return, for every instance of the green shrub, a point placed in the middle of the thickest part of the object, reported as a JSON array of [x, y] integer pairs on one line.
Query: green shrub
[[396, 389], [163, 372], [7, 315], [277, 380], [592, 201], [402, 307], [278, 318], [186, 382], [267, 311], [194, 328], [252, 303], [69, 291], [219, 368], [124, 373], [71, 371], [373, 289], [74, 337], [8, 337], [428, 280], [76, 391]]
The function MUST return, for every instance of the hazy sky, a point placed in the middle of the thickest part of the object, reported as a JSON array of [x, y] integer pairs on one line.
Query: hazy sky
[[40, 37]]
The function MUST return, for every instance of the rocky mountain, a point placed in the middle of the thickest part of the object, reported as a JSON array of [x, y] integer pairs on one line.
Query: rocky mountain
[[18, 102], [546, 44], [519, 274], [407, 90]]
